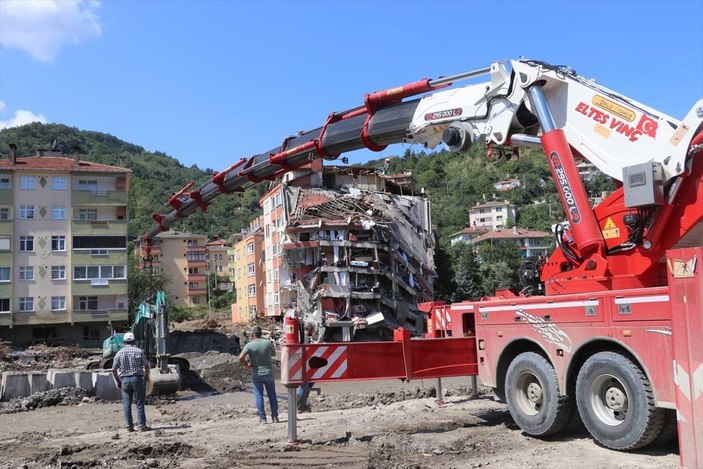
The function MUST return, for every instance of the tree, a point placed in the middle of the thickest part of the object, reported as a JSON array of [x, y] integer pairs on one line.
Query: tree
[[444, 284], [500, 266], [468, 283], [142, 283]]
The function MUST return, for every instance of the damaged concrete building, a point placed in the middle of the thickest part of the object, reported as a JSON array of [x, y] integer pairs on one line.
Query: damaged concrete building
[[357, 251]]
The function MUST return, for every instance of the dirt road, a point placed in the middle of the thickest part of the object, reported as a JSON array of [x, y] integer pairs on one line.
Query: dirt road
[[384, 424]]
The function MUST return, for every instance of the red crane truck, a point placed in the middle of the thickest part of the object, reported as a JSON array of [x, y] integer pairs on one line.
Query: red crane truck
[[610, 327]]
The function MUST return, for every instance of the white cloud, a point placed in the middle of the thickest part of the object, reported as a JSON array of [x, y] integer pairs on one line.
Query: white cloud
[[44, 27], [21, 117]]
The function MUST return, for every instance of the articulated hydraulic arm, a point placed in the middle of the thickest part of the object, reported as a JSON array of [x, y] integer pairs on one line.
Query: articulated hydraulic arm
[[525, 103]]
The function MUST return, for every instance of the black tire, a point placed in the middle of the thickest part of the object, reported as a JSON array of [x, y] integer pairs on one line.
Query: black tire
[[532, 394], [669, 432], [616, 402]]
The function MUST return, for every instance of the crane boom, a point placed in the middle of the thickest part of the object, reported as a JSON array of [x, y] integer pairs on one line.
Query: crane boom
[[524, 103]]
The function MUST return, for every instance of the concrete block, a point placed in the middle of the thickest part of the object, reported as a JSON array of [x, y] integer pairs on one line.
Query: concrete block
[[14, 384], [61, 378], [84, 380], [104, 386], [38, 382]]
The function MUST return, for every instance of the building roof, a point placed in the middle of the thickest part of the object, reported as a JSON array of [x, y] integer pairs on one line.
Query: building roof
[[490, 205], [470, 231], [519, 233], [177, 235], [58, 163], [218, 242]]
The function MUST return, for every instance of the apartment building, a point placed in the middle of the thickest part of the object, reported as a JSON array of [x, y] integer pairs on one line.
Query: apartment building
[[182, 258], [63, 248], [248, 267], [348, 249], [491, 215], [218, 263], [532, 243]]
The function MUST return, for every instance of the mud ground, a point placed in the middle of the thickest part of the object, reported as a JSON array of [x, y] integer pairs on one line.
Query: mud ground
[[383, 424], [212, 423]]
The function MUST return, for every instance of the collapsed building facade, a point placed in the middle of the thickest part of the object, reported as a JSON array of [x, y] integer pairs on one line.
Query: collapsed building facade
[[358, 250]]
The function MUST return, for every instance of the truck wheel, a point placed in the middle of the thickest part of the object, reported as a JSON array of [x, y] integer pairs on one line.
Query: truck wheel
[[532, 393], [616, 402]]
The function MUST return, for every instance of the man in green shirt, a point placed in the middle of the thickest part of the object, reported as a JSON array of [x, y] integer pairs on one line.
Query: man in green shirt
[[259, 351]]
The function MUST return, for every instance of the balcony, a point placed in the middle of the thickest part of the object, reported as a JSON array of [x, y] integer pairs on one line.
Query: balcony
[[197, 277], [5, 197], [5, 318], [6, 227], [99, 198], [99, 227], [99, 257], [99, 315], [197, 291], [196, 263], [99, 287]]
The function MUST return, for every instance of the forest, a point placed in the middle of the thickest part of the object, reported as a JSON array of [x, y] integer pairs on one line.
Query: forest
[[453, 183]]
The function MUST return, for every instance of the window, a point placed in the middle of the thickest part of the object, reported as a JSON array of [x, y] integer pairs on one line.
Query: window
[[268, 276], [27, 273], [250, 270], [196, 300], [275, 275], [4, 305], [5, 243], [58, 272], [4, 274], [87, 303], [96, 272], [26, 243], [26, 304], [5, 183], [58, 303], [86, 272], [88, 186], [252, 311], [99, 242], [276, 300], [58, 243], [58, 212], [26, 212], [27, 182], [88, 214], [4, 213], [250, 248], [58, 183], [252, 291]]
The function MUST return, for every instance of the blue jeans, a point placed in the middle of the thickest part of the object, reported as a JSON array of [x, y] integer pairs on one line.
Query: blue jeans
[[269, 382], [133, 390]]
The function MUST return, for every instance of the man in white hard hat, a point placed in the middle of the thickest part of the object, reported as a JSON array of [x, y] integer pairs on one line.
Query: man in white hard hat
[[130, 369]]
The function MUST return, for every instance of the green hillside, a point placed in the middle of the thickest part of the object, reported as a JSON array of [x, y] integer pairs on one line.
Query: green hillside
[[453, 182]]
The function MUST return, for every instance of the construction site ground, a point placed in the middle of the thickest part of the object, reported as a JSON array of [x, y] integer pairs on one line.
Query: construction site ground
[[370, 424]]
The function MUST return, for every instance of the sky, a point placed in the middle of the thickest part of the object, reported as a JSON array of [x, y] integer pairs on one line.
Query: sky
[[208, 82]]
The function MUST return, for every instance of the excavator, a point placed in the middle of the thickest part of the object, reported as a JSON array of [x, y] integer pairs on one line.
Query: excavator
[[613, 310], [150, 329]]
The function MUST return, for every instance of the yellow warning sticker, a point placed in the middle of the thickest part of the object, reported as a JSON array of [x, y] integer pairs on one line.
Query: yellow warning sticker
[[610, 230]]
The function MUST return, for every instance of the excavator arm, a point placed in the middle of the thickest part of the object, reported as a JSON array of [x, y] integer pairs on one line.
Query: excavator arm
[[533, 104]]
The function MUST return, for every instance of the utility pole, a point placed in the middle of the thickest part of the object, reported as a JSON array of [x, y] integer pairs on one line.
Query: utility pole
[[209, 295]]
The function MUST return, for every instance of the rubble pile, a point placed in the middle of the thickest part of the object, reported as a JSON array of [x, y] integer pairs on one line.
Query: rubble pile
[[52, 397], [361, 260], [40, 357]]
